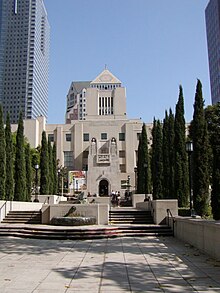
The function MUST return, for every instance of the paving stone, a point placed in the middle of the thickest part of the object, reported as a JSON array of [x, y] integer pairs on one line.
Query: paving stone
[[135, 264]]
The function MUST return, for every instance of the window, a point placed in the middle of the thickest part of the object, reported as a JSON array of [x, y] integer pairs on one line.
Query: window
[[104, 136], [51, 137], [121, 154], [122, 168], [68, 159], [138, 136], [122, 136], [85, 154], [68, 137], [85, 136]]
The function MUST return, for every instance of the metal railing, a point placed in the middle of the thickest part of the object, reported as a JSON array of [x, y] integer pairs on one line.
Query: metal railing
[[4, 206], [170, 220]]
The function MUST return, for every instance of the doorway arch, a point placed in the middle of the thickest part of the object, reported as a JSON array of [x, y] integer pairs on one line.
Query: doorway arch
[[103, 187]]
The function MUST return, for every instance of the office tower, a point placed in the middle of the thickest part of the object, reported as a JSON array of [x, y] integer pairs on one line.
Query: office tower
[[212, 15], [24, 58]]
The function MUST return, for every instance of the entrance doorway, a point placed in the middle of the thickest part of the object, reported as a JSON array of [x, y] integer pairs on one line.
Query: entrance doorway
[[103, 188]]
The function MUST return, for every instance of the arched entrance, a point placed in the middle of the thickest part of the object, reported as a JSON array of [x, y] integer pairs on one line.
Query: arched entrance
[[103, 188]]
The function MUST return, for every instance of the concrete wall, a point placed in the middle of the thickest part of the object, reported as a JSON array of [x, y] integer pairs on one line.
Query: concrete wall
[[202, 234], [49, 199], [159, 209], [99, 211], [139, 198], [145, 206]]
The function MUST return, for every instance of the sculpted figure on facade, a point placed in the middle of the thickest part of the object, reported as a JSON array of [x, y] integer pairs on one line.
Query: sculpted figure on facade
[[93, 146]]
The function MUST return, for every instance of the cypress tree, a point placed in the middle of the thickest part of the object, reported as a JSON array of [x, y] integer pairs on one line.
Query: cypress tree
[[171, 154], [44, 166], [200, 154], [9, 161], [212, 115], [2, 156], [215, 195], [143, 167], [29, 174], [166, 157], [51, 175], [20, 172], [157, 160], [181, 170], [55, 177]]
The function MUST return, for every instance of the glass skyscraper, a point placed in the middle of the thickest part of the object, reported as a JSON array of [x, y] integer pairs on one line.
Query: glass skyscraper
[[212, 15], [24, 58]]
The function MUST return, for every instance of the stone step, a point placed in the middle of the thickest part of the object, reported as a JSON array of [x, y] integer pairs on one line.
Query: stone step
[[84, 233], [28, 217], [130, 216]]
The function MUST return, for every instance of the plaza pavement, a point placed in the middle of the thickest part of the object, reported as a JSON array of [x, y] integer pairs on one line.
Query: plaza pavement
[[148, 264]]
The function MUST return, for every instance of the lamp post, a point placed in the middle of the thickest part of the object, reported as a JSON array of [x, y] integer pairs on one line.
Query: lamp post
[[145, 181], [58, 171], [128, 183], [36, 167], [135, 178], [189, 150]]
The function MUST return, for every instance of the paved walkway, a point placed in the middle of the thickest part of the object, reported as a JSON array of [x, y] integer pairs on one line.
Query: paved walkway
[[116, 265]]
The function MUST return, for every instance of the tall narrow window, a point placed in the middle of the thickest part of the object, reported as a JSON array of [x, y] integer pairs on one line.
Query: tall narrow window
[[16, 7]]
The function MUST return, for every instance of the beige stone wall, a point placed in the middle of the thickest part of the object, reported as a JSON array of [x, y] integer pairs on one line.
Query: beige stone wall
[[202, 234]]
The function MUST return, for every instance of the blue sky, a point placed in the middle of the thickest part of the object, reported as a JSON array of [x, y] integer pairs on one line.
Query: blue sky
[[152, 46]]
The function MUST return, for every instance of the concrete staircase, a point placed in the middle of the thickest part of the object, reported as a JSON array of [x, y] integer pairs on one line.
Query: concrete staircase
[[130, 216], [23, 217], [93, 232], [125, 222]]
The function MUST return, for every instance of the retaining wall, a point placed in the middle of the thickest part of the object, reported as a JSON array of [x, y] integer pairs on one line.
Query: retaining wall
[[202, 234]]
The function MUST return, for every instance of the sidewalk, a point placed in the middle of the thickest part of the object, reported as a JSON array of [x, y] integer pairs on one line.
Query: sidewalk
[[148, 264]]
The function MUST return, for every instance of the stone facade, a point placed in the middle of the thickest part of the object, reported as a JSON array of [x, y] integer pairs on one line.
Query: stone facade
[[104, 143]]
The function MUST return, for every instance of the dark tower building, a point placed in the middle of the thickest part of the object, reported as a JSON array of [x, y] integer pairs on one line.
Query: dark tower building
[[212, 15]]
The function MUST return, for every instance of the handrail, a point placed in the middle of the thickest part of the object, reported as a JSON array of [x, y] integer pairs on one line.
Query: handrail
[[4, 205], [170, 216]]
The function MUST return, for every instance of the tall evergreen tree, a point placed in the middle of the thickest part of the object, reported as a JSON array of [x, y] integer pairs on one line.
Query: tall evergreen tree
[[166, 157], [9, 161], [51, 174], [171, 154], [20, 172], [200, 154], [2, 156], [181, 170], [143, 166], [157, 160], [29, 175], [44, 166], [212, 115], [55, 177]]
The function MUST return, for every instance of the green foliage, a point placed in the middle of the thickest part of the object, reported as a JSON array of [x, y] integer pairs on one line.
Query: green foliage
[[29, 174], [200, 155], [2, 156], [20, 170], [212, 115], [51, 175], [9, 161], [157, 160], [55, 178], [171, 154], [44, 166], [180, 158], [143, 166]]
